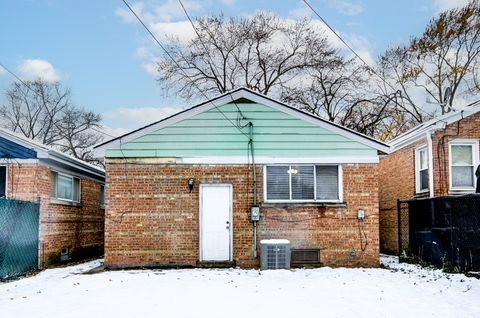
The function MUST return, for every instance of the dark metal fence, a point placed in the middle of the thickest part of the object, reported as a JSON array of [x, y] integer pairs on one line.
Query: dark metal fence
[[18, 237], [443, 231]]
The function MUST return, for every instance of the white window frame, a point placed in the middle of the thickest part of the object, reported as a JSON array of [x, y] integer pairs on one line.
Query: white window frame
[[73, 187], [340, 184], [475, 159], [418, 183]]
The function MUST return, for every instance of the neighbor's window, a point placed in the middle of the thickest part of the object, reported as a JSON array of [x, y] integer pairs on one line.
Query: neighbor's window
[[421, 169], [462, 165], [65, 187], [302, 183], [3, 181], [102, 195]]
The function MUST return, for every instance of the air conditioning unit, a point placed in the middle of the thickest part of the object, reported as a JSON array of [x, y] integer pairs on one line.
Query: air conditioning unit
[[275, 254]]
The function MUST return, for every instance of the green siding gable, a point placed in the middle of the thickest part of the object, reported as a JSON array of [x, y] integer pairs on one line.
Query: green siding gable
[[275, 134]]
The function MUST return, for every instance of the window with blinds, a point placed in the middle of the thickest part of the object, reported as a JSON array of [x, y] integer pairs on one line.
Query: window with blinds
[[302, 183], [462, 164], [421, 170], [327, 182]]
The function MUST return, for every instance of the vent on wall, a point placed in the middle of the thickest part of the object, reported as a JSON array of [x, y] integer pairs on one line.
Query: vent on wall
[[275, 254], [305, 256], [65, 254]]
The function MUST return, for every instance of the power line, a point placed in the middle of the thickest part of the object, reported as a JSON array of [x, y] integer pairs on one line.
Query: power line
[[15, 75], [38, 94], [178, 65], [347, 45], [207, 51]]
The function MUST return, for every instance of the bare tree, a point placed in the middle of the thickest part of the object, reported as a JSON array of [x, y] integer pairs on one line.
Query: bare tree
[[263, 53], [44, 111], [77, 135], [36, 109], [443, 57]]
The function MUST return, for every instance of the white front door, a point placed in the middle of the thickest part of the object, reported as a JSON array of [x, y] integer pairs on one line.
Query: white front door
[[215, 222]]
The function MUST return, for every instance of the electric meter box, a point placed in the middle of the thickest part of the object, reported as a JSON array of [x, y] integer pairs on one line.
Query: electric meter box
[[255, 213]]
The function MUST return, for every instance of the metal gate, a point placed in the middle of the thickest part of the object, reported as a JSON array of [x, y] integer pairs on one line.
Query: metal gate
[[18, 237], [443, 231]]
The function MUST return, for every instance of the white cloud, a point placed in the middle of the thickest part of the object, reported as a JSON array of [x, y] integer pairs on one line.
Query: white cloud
[[150, 68], [114, 132], [128, 17], [353, 24], [32, 69], [165, 12], [143, 53], [347, 7], [302, 11], [125, 119], [366, 55], [228, 2], [443, 5], [182, 30], [171, 9]]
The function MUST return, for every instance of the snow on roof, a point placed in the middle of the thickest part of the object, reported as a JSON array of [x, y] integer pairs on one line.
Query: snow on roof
[[439, 122], [44, 151]]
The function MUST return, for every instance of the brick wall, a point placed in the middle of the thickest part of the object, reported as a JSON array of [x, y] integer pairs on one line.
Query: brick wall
[[152, 218], [81, 229], [397, 175], [467, 128], [397, 182]]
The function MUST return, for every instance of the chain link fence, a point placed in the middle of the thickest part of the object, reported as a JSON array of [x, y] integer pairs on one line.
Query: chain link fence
[[18, 237], [442, 231]]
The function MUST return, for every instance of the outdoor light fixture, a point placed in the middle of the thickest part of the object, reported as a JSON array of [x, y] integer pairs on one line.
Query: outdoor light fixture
[[191, 182], [292, 170], [361, 214]]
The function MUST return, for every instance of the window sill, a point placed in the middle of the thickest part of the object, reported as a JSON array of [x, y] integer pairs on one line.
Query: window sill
[[303, 204], [460, 192], [64, 202], [422, 194]]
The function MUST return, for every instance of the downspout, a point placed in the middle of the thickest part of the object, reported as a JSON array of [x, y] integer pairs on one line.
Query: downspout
[[253, 164], [430, 163], [254, 191]]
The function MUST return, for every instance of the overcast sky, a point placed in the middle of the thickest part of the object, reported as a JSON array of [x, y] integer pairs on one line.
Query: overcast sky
[[105, 57]]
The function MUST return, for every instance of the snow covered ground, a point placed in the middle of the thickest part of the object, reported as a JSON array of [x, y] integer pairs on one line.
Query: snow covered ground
[[402, 291]]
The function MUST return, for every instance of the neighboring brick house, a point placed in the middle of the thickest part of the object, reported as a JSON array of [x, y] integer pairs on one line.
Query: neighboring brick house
[[180, 191], [436, 158], [70, 193]]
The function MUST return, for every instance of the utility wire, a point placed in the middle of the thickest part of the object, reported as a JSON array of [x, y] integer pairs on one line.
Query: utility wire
[[15, 75], [348, 46], [37, 93], [178, 65], [207, 51]]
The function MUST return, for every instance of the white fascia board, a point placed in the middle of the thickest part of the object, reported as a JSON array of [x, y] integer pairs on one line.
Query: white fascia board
[[414, 135], [277, 160], [100, 150], [333, 127], [76, 163]]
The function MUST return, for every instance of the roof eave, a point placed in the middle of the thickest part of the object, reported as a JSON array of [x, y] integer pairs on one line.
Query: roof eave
[[99, 150]]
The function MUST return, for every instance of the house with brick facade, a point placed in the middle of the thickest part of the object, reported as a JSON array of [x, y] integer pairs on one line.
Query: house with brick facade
[[70, 193], [207, 184], [436, 158]]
